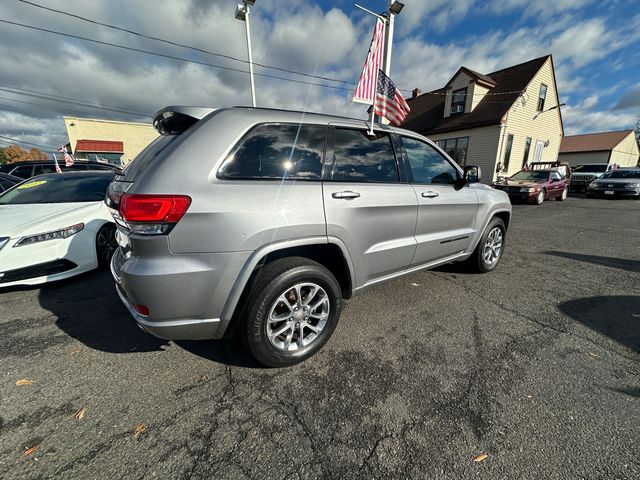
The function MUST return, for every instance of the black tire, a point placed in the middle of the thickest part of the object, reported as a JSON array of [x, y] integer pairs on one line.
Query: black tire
[[274, 279], [476, 261], [540, 197], [106, 244], [563, 196]]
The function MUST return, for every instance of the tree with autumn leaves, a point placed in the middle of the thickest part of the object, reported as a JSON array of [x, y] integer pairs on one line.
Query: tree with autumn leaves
[[15, 153]]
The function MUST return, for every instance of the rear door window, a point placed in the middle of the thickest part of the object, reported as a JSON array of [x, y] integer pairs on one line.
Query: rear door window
[[361, 158], [277, 151]]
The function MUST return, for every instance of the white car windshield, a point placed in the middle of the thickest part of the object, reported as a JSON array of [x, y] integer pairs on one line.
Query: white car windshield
[[59, 188]]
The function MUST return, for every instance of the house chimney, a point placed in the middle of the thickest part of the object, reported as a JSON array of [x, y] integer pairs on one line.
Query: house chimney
[[416, 92]]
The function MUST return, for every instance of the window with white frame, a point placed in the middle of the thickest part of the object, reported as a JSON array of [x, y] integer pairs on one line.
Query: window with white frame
[[458, 100], [542, 97], [456, 148]]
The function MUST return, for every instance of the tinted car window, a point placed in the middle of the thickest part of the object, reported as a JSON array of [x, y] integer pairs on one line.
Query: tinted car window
[[278, 151], [5, 184], [42, 169], [427, 164], [59, 188], [360, 158], [24, 171]]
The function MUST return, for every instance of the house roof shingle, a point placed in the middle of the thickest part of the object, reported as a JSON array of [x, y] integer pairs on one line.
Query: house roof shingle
[[427, 110], [592, 142]]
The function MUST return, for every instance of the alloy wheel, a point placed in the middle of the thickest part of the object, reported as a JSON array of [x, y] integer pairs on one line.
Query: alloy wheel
[[298, 316], [106, 243], [493, 246]]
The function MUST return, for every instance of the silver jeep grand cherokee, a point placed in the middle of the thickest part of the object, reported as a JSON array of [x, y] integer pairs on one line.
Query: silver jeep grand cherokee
[[263, 221]]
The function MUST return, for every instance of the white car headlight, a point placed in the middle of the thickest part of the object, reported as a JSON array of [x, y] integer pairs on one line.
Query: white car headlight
[[55, 235], [3, 240], [528, 189], [593, 185]]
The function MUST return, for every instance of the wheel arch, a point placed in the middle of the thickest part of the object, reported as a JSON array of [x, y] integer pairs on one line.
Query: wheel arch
[[102, 225], [331, 253]]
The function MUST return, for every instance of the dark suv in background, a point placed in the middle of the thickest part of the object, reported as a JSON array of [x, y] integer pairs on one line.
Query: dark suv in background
[[28, 169]]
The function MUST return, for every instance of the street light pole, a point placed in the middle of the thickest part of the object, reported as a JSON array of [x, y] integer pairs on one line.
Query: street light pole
[[253, 85], [386, 67], [242, 13]]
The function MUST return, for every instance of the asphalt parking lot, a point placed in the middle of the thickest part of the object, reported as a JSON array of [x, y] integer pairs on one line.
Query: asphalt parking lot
[[536, 365]]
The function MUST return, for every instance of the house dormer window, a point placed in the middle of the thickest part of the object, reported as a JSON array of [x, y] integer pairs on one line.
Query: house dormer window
[[458, 100], [541, 97]]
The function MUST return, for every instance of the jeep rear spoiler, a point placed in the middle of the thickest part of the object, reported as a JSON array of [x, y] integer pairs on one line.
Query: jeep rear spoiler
[[175, 119]]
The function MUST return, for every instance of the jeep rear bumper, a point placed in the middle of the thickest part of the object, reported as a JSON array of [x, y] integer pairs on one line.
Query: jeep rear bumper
[[181, 303]]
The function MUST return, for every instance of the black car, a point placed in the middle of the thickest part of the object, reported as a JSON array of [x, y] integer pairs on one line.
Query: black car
[[7, 181], [28, 169]]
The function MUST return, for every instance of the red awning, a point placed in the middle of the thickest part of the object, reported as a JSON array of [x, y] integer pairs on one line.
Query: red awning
[[99, 146]]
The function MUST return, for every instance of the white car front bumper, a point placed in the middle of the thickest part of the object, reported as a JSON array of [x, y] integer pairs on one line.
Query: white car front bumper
[[48, 260]]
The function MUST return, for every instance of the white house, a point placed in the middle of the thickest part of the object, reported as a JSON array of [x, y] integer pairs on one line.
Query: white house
[[509, 117]]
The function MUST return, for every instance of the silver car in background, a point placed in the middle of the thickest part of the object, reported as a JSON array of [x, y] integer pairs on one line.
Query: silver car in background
[[624, 182], [262, 222]]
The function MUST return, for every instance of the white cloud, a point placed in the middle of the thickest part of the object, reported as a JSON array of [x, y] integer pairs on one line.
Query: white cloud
[[543, 8], [581, 118], [295, 34]]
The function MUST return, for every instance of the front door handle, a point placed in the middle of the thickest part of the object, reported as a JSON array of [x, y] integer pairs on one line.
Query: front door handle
[[345, 194], [430, 194]]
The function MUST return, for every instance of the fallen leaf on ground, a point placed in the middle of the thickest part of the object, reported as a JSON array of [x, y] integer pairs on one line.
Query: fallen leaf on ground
[[138, 429], [481, 457], [593, 354], [29, 451], [81, 413], [415, 285], [203, 378], [24, 381], [74, 351]]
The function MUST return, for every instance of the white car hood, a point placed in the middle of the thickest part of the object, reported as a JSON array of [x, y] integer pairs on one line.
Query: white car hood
[[30, 219]]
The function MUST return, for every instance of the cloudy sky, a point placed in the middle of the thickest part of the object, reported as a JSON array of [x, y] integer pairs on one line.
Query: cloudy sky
[[44, 76]]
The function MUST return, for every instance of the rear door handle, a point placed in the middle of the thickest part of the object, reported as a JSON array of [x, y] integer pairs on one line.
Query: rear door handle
[[430, 194], [345, 194]]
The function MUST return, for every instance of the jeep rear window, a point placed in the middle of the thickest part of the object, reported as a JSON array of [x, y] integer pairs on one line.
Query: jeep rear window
[[277, 151]]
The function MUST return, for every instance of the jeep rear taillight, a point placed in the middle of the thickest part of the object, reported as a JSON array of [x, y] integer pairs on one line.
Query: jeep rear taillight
[[152, 214]]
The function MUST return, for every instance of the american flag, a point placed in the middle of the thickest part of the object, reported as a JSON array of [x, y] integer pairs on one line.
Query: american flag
[[366, 85], [389, 103], [55, 159], [68, 159]]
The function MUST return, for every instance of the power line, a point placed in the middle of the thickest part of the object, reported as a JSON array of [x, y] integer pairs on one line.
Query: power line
[[190, 47], [56, 98], [37, 109], [27, 143], [172, 57]]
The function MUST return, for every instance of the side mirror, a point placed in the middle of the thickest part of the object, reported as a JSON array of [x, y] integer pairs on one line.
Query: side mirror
[[472, 174]]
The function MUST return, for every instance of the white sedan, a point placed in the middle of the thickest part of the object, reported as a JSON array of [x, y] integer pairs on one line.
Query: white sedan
[[55, 226]]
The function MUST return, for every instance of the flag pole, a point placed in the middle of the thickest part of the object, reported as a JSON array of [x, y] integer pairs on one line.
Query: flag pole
[[373, 104]]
